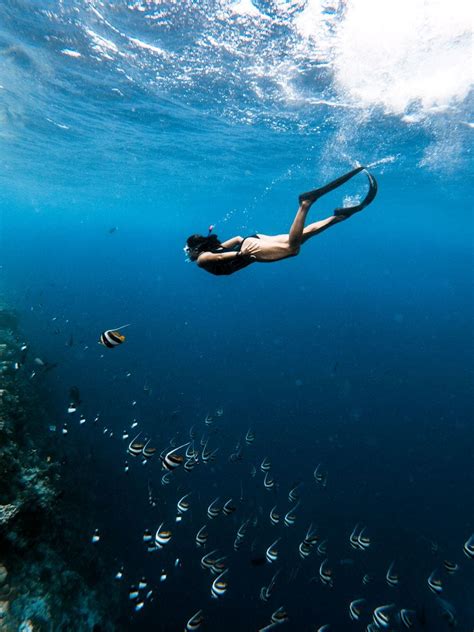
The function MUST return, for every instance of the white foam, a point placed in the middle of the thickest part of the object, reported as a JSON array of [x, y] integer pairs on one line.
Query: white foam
[[101, 44], [70, 53], [246, 7], [405, 53], [317, 24], [150, 47], [60, 125]]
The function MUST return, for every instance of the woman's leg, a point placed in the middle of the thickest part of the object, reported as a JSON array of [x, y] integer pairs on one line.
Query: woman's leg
[[282, 246], [318, 227], [276, 247], [295, 236]]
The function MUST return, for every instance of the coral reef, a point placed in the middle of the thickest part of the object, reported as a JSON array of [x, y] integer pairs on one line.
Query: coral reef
[[42, 585]]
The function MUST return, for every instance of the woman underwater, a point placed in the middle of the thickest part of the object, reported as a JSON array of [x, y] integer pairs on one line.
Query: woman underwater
[[236, 253]]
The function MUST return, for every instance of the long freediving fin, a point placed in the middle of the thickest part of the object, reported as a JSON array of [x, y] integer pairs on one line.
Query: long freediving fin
[[312, 196], [350, 210]]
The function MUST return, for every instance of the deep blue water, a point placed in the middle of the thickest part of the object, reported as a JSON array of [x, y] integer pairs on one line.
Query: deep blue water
[[357, 354]]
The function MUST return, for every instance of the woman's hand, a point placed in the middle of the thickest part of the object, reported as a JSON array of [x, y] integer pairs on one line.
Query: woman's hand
[[250, 248]]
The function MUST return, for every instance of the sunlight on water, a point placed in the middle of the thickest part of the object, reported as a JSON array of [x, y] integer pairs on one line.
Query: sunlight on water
[[315, 70], [402, 55]]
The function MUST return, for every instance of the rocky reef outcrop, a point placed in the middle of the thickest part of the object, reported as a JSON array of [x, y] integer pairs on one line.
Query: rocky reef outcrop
[[42, 586]]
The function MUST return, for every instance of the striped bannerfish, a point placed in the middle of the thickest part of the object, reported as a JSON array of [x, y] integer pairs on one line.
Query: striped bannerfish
[[170, 460], [162, 537], [355, 609], [392, 576], [201, 536], [112, 337], [451, 567], [435, 584], [219, 586], [272, 552], [469, 547], [381, 616], [325, 574], [195, 622], [279, 616]]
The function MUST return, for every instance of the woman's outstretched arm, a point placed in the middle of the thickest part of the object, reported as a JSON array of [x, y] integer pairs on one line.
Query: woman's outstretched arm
[[208, 257], [234, 241]]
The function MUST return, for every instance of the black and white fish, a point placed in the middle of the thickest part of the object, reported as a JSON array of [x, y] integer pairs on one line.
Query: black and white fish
[[271, 553], [183, 504], [392, 577], [112, 337], [269, 481], [293, 493], [381, 615], [468, 547], [208, 560], [171, 460], [195, 622], [279, 616], [266, 591], [147, 536], [135, 446], [274, 516], [265, 465], [95, 536], [133, 593], [322, 548], [218, 566], [407, 617], [148, 452], [162, 537], [228, 508], [355, 609], [190, 464], [451, 567], [434, 583], [290, 519], [325, 573], [320, 476], [201, 536], [166, 478], [213, 511], [219, 586]]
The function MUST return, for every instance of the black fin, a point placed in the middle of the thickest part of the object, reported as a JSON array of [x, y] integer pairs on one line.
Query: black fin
[[350, 210], [312, 196]]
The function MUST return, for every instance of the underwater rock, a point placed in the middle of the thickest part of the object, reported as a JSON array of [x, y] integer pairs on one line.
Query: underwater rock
[[8, 319], [7, 512], [48, 585], [5, 591], [4, 607]]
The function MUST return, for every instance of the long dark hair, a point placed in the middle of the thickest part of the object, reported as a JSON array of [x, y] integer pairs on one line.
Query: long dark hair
[[197, 244]]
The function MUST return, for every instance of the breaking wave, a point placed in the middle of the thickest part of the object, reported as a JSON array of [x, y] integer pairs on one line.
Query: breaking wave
[[326, 67]]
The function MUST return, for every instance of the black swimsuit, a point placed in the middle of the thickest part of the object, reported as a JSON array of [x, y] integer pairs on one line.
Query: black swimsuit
[[229, 266]]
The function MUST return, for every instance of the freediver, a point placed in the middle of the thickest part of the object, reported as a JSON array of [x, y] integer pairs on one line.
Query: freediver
[[227, 257]]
